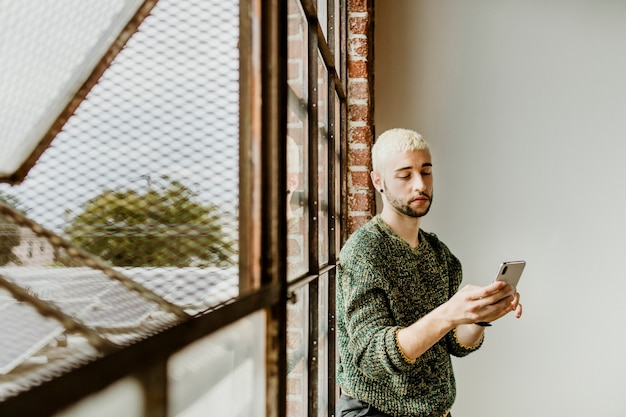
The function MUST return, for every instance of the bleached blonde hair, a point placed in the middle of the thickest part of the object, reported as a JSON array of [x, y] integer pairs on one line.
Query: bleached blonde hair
[[394, 140]]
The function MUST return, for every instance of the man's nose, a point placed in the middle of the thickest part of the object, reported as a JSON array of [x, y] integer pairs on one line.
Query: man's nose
[[418, 183]]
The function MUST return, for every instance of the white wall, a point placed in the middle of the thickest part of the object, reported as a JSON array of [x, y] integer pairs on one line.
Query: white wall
[[524, 105]]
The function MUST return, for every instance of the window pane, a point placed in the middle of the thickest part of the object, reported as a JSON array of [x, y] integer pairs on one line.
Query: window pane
[[144, 176], [297, 143], [124, 398], [297, 353], [222, 374], [48, 49], [163, 120], [336, 26], [163, 116], [323, 376], [297, 45], [337, 161], [322, 16], [322, 170]]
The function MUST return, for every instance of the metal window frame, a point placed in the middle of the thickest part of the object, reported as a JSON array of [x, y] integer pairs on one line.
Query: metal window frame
[[317, 44]]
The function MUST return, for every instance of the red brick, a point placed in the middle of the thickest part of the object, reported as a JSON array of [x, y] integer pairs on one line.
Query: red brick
[[358, 112], [359, 179], [360, 57], [358, 25], [358, 47], [361, 134], [359, 90], [357, 5], [359, 157], [360, 202], [357, 69]]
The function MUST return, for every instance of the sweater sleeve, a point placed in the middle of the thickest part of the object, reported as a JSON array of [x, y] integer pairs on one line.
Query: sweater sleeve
[[458, 349]]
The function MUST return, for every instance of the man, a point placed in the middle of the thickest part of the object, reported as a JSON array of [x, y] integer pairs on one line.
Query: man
[[400, 313]]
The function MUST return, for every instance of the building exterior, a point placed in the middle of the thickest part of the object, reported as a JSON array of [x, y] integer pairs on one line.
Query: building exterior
[[33, 249]]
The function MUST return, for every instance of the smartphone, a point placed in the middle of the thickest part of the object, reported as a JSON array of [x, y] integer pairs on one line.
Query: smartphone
[[511, 272]]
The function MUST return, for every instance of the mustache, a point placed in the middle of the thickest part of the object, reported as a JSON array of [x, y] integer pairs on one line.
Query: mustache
[[422, 195]]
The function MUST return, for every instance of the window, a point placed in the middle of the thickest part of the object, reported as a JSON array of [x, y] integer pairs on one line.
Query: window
[[174, 263], [314, 123]]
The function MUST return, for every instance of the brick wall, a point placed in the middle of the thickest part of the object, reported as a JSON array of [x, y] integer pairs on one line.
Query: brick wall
[[360, 48]]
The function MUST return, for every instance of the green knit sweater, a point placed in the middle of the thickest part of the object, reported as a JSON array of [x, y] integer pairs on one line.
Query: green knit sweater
[[383, 285]]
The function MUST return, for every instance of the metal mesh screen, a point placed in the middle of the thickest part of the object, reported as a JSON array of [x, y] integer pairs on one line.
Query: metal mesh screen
[[47, 51], [128, 223]]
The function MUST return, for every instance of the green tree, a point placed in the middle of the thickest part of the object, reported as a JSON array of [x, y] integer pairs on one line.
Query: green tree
[[9, 232], [159, 227]]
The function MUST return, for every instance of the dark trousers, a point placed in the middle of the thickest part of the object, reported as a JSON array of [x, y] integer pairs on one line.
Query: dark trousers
[[351, 407]]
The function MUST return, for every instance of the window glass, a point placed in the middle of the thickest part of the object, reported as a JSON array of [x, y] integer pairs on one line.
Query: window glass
[[222, 374], [322, 16], [43, 59], [336, 160], [297, 142], [336, 23], [323, 345], [124, 398], [297, 353], [144, 178], [145, 175], [322, 169]]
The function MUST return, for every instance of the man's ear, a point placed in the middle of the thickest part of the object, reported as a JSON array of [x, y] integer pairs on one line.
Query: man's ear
[[376, 180]]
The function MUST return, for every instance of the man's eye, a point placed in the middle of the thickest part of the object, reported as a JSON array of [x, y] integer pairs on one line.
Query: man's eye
[[426, 174], [404, 177]]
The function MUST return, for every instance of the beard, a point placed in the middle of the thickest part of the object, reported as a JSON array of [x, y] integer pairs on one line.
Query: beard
[[405, 207]]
